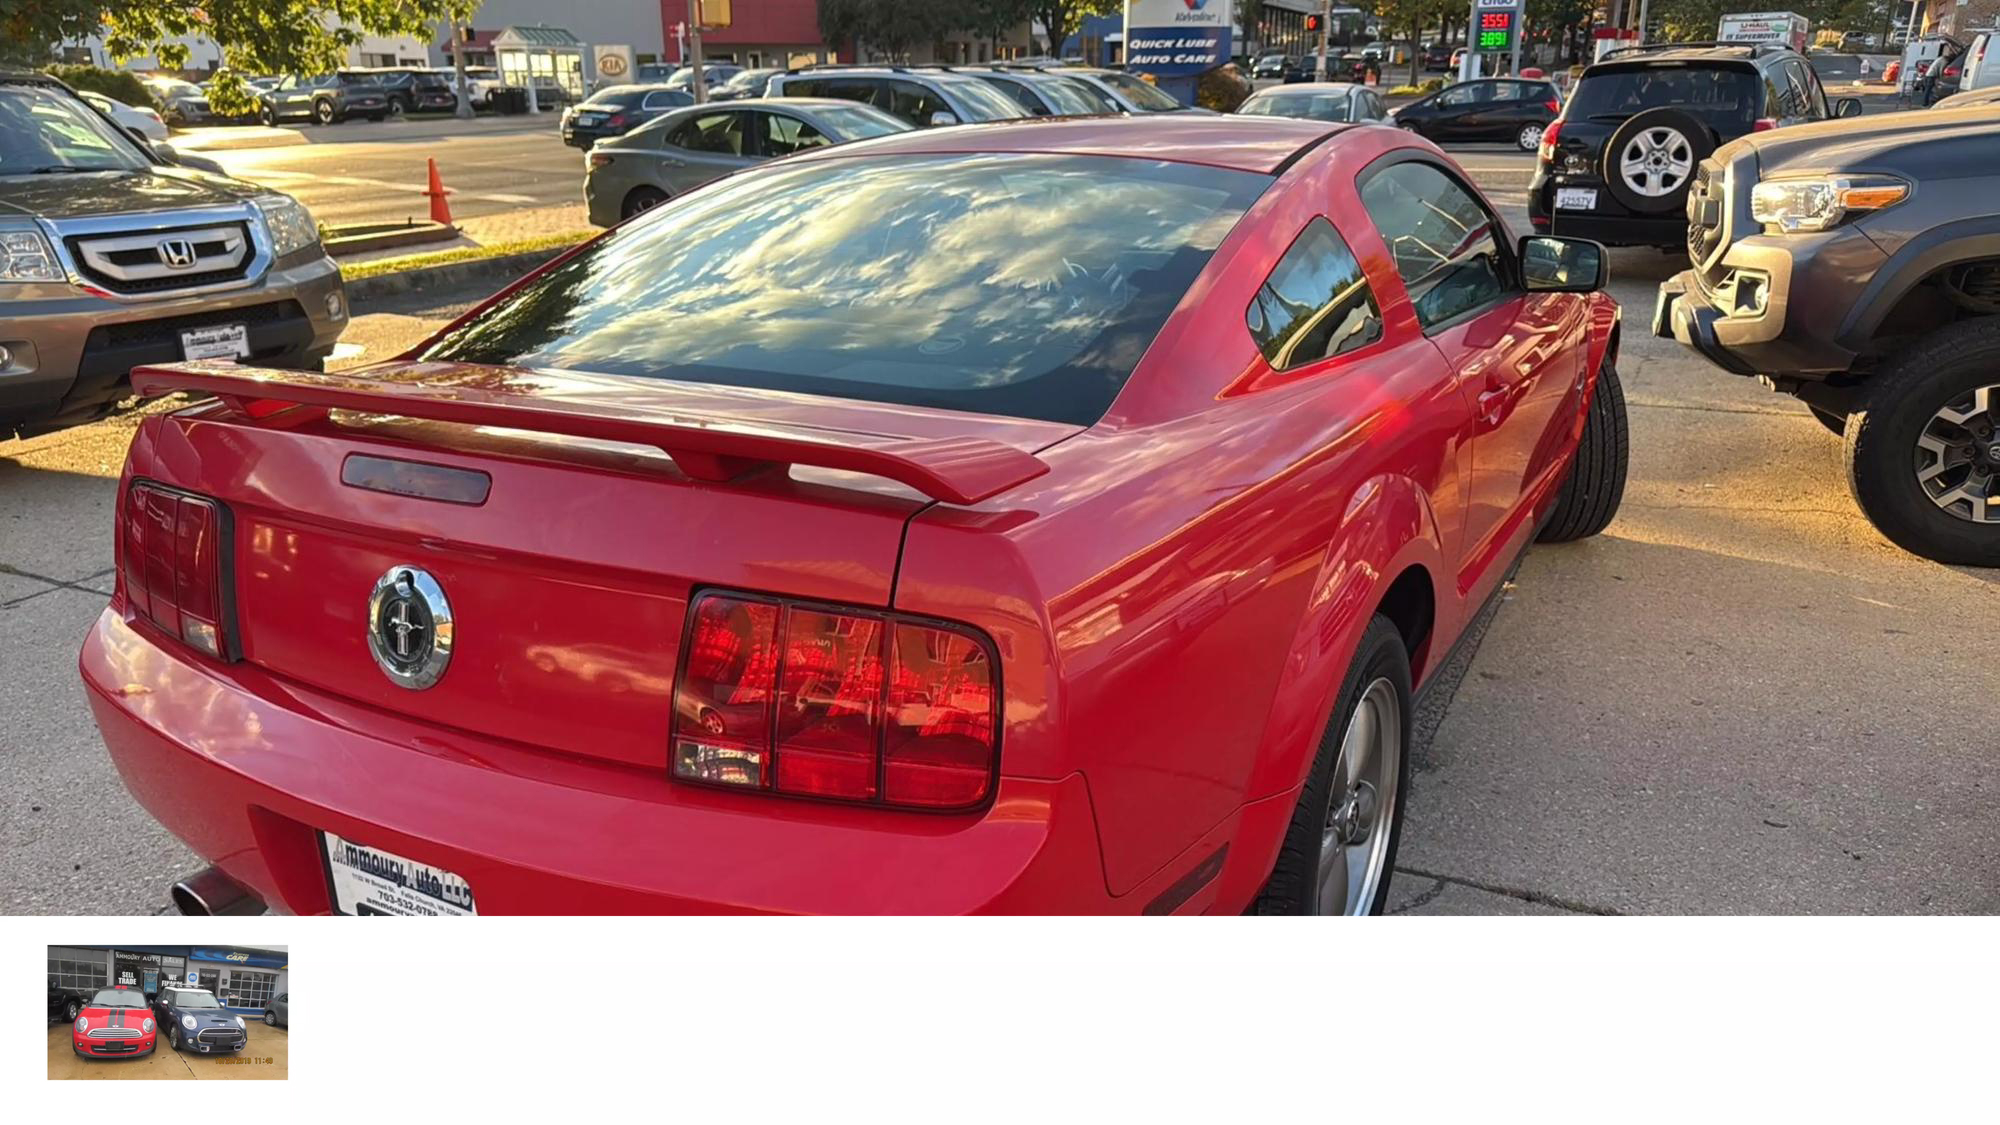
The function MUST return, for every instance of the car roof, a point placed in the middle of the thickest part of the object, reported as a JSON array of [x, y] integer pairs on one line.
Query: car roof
[[1749, 54], [1308, 87], [1246, 144]]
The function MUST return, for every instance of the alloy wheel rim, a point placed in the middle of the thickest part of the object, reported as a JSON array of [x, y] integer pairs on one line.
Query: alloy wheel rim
[[1531, 136], [1656, 161], [1958, 456], [1361, 805]]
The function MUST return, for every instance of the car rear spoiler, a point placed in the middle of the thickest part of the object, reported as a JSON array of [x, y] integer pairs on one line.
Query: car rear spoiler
[[707, 445]]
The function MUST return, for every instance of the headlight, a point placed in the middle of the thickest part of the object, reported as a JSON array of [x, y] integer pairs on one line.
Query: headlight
[[26, 256], [1821, 202], [82, 1025], [290, 224], [239, 1024], [187, 1022], [147, 1025]]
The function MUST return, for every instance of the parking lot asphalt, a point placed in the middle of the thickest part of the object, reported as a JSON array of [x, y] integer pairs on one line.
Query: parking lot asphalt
[[267, 1056], [1738, 699]]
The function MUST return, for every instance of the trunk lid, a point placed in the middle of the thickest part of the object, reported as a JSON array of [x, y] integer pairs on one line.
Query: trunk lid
[[566, 518]]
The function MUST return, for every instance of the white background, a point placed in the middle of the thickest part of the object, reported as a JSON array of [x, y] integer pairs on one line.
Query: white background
[[1222, 1020]]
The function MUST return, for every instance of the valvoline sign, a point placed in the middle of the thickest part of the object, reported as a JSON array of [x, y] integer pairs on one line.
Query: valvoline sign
[[1177, 37]]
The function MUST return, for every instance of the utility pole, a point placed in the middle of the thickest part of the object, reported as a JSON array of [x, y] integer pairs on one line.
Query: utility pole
[[1325, 29], [456, 37], [694, 48], [1644, 7], [1468, 63]]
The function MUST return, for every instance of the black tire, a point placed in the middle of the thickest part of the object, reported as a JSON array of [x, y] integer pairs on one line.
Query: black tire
[[324, 112], [1892, 412], [641, 199], [1595, 484], [1837, 423], [1529, 137], [266, 116], [174, 1038], [270, 1019], [1292, 887], [396, 108], [73, 1009], [1700, 141]]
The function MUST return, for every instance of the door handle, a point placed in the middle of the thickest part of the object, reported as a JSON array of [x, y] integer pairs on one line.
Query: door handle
[[1493, 404]]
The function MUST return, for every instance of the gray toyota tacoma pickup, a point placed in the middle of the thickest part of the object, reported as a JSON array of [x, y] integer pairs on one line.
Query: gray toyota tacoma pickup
[[1856, 265], [115, 254]]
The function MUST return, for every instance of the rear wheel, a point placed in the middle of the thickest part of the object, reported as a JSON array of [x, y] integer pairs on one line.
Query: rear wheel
[[266, 116], [642, 199], [1923, 446], [72, 1010], [1529, 138], [323, 112], [1595, 484], [270, 1019], [1340, 850]]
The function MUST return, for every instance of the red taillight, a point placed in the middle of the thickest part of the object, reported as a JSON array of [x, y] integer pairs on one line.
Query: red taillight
[[1764, 123], [615, 119], [1951, 72], [1547, 152], [1553, 106], [170, 559], [813, 701]]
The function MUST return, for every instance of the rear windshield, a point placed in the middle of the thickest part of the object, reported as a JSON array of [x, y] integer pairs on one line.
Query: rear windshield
[[1716, 94], [1022, 285], [1292, 103]]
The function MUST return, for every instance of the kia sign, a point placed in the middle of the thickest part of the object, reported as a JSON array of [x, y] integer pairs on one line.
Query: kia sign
[[1177, 37]]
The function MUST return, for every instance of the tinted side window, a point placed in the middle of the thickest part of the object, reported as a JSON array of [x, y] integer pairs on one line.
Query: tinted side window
[[804, 88], [1315, 304], [786, 135], [1441, 238], [1017, 93], [914, 103], [714, 132]]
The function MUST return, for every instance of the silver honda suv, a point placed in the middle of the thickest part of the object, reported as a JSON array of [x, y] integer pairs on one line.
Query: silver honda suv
[[114, 254]]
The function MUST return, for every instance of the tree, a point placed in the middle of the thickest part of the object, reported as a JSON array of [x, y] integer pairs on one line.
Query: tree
[[256, 36], [840, 22], [993, 19], [1251, 14], [1061, 18]]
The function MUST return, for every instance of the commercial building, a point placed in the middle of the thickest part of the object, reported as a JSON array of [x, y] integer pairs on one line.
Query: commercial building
[[761, 33], [1960, 19], [626, 23], [242, 977]]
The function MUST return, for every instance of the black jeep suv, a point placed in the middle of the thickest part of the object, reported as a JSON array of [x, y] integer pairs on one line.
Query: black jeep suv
[[1615, 167], [1856, 265]]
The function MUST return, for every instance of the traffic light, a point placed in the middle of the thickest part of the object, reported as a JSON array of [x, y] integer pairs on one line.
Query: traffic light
[[1312, 22]]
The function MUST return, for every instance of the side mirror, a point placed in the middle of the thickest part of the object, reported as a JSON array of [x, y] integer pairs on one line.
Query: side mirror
[[1847, 107], [1562, 265], [942, 117]]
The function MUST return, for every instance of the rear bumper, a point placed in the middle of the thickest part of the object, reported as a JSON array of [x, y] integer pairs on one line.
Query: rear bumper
[[248, 769], [1610, 222]]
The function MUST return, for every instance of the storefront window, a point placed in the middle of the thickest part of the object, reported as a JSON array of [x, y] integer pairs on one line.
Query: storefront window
[[84, 976], [246, 988]]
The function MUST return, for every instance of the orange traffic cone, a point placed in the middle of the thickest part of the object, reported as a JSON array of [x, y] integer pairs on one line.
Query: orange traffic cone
[[440, 211]]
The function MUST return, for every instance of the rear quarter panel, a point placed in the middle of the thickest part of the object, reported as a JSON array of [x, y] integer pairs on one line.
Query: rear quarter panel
[[1177, 600]]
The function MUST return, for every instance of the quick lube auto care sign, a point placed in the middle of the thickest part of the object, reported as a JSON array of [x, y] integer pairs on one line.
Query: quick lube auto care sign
[[1177, 37]]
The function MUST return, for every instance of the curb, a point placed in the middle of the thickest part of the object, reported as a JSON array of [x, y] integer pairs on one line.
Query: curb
[[509, 266], [280, 138]]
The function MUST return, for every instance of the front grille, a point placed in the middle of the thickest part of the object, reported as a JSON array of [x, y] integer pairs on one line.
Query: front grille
[[220, 1035], [1706, 201], [114, 1048], [163, 260], [115, 1033]]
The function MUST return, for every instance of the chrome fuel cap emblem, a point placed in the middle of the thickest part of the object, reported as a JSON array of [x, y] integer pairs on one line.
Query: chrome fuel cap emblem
[[410, 627]]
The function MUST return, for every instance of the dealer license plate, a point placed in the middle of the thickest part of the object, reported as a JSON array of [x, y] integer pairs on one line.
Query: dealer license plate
[[369, 880], [588, 118], [217, 341], [1576, 199]]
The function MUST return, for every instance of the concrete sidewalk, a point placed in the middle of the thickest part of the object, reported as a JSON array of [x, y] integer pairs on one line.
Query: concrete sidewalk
[[227, 138]]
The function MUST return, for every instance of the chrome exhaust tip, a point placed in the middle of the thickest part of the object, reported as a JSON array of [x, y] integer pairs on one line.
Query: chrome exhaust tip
[[212, 892]]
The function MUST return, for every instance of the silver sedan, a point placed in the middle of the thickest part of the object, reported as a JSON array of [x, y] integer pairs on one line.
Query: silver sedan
[[687, 147]]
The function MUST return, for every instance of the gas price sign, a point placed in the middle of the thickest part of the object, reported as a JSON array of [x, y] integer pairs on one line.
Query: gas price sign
[[1496, 31]]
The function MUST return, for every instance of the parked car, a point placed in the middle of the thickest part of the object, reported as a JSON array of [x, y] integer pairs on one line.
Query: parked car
[[1132, 93], [550, 94], [1856, 265], [413, 90], [65, 1004], [114, 253], [181, 102], [745, 84], [1439, 56], [481, 83], [1282, 67], [713, 75], [278, 1013], [115, 1023], [921, 97], [1045, 94], [195, 1020], [327, 99], [1114, 598], [686, 148], [1319, 101], [1514, 111], [142, 123], [617, 110], [1616, 165]]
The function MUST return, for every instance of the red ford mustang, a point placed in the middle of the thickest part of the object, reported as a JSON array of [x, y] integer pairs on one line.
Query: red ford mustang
[[1051, 516], [116, 1023]]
